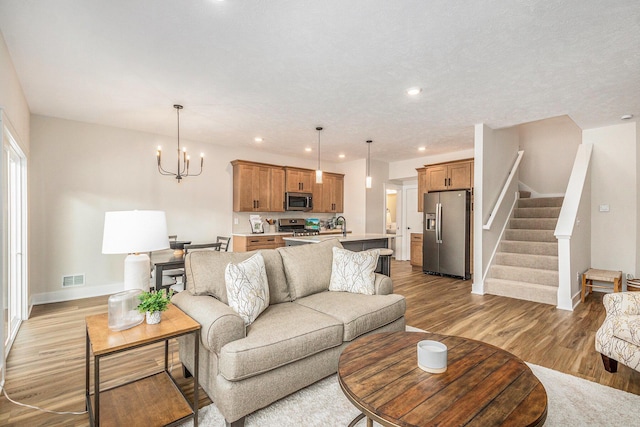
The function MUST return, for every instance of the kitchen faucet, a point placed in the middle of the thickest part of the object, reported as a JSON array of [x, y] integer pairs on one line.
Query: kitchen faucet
[[344, 225]]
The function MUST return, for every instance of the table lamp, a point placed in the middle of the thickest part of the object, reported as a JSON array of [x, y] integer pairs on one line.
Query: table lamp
[[135, 233]]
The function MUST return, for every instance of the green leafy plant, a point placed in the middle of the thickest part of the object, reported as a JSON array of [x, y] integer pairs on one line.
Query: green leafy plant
[[154, 301]]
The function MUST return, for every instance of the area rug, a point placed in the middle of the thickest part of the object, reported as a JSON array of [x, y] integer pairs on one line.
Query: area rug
[[572, 401]]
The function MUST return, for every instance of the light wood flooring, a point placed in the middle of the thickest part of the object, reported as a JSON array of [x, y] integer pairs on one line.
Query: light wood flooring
[[46, 364]]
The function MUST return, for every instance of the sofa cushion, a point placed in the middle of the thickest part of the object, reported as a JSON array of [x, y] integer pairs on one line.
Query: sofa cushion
[[247, 287], [354, 271], [627, 328], [282, 334], [308, 267], [205, 273], [359, 313]]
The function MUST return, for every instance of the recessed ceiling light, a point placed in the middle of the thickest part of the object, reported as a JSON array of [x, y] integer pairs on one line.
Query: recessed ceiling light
[[414, 91], [341, 156], [258, 139], [626, 117], [308, 149], [422, 148]]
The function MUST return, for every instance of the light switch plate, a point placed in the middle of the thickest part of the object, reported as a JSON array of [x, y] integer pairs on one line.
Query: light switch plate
[[604, 208]]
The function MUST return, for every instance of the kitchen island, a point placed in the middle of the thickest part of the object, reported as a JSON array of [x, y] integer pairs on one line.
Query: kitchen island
[[352, 242], [355, 243]]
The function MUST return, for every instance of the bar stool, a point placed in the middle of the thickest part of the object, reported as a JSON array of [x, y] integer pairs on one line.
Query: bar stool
[[592, 274], [385, 261]]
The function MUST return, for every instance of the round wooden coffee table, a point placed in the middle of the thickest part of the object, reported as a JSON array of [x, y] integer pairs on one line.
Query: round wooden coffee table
[[483, 385]]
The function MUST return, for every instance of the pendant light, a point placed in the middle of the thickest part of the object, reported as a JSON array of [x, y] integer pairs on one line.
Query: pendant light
[[183, 169], [367, 182], [319, 171]]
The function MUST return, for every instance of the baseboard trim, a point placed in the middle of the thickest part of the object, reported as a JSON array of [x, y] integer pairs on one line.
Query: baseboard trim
[[75, 293]]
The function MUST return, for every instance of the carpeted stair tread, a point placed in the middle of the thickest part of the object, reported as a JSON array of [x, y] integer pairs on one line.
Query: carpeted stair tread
[[524, 274], [530, 235], [522, 290], [527, 247], [540, 202], [533, 223], [543, 262], [537, 212]]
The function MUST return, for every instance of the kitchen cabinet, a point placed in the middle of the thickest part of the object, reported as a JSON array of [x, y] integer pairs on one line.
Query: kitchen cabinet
[[449, 176], [299, 180], [253, 243], [422, 187], [257, 187], [456, 175], [416, 249], [328, 197]]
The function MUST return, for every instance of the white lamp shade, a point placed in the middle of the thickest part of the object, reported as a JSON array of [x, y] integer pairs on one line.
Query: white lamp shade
[[128, 232]]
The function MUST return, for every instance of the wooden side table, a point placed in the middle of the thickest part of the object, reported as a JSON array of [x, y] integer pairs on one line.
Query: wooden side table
[[136, 402]]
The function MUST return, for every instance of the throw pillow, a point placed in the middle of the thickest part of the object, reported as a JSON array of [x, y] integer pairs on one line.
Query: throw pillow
[[354, 271], [247, 287]]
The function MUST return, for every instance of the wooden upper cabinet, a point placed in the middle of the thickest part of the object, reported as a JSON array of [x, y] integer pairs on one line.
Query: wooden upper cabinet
[[422, 187], [328, 197], [299, 180], [257, 187], [277, 189], [456, 175]]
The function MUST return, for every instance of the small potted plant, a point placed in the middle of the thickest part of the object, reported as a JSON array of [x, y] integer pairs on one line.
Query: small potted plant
[[153, 304]]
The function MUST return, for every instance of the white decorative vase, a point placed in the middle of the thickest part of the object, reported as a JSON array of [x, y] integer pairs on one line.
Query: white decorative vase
[[154, 318]]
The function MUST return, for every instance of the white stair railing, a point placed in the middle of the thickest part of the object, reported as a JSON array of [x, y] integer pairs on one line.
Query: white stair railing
[[503, 193]]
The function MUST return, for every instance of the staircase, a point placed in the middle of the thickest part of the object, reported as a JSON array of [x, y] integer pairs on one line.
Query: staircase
[[526, 264]]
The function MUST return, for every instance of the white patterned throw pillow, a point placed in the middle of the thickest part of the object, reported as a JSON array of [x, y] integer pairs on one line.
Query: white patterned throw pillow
[[247, 287], [354, 271]]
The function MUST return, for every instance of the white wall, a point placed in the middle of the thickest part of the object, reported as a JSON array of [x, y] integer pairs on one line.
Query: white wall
[[614, 182], [495, 152], [406, 169], [12, 100], [581, 241], [375, 211], [79, 171], [542, 173], [355, 194]]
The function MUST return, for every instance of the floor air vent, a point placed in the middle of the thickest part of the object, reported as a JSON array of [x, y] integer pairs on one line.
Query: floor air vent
[[73, 280]]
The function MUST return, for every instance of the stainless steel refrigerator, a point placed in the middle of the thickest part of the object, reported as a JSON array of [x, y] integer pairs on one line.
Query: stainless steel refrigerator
[[445, 246]]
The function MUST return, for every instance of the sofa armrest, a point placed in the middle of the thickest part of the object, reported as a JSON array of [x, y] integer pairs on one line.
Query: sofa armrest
[[620, 303], [383, 284], [220, 323]]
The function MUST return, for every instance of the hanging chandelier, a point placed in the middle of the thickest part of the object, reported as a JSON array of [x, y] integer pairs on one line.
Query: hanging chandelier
[[183, 164], [319, 171], [368, 178]]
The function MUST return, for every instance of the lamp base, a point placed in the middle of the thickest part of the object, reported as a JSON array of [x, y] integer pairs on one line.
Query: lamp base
[[136, 272]]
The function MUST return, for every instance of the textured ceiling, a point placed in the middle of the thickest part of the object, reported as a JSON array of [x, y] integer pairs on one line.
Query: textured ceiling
[[277, 68]]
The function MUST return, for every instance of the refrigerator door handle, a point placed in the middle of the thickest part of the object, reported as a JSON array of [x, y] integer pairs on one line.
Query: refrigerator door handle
[[438, 222]]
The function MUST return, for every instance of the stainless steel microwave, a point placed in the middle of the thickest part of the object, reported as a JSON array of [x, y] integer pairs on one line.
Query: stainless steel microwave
[[298, 201]]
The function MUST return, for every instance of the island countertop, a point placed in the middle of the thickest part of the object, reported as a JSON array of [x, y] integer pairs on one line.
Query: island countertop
[[340, 237]]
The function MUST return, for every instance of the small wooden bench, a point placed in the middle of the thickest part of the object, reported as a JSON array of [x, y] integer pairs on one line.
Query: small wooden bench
[[592, 274]]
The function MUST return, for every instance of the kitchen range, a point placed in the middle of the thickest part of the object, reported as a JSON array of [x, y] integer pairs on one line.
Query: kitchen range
[[299, 226]]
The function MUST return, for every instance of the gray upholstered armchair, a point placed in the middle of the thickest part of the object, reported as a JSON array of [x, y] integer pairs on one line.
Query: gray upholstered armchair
[[618, 339]]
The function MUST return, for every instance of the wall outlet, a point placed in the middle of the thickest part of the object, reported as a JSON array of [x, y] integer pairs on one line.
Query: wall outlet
[[235, 221]]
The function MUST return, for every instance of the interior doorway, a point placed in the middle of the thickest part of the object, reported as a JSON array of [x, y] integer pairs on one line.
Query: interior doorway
[[412, 219]]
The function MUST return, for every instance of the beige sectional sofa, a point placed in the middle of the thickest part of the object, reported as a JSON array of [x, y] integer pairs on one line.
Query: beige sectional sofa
[[295, 342]]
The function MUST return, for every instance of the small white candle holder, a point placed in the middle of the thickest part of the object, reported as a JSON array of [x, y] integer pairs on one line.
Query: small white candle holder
[[432, 356]]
